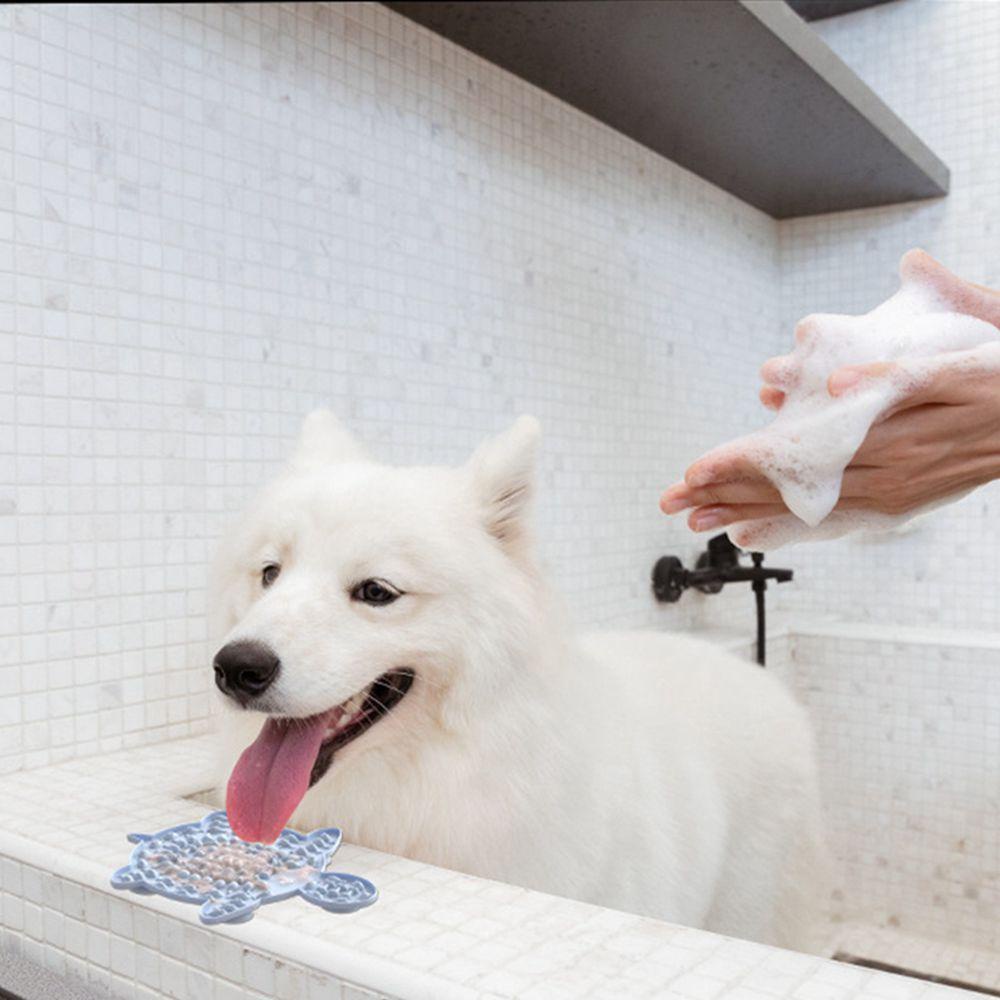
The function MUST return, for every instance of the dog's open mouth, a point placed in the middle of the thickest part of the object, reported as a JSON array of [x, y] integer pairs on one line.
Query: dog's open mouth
[[291, 755], [360, 713]]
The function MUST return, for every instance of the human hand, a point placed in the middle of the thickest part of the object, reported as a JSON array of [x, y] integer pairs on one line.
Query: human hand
[[940, 440]]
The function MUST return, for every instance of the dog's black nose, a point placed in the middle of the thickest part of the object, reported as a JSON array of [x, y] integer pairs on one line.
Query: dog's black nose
[[245, 669]]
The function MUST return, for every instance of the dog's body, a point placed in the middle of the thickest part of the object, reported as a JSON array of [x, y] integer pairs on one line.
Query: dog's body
[[643, 771]]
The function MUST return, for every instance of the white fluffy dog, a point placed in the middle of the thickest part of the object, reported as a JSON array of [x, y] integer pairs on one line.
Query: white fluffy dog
[[395, 666]]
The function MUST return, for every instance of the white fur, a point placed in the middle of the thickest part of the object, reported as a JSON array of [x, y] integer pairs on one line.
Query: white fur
[[649, 772]]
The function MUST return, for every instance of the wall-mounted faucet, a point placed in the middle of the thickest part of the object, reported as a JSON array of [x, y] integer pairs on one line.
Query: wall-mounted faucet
[[718, 565]]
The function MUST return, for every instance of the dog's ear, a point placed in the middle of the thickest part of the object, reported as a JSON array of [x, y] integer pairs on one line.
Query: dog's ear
[[323, 440], [503, 478]]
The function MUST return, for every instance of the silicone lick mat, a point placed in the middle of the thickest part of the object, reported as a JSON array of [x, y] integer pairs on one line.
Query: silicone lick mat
[[205, 862]]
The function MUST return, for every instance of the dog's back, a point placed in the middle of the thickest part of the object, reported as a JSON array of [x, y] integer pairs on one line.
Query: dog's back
[[720, 755]]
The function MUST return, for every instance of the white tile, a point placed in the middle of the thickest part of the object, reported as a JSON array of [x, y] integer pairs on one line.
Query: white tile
[[290, 982], [76, 938], [258, 971], [122, 955], [224, 990], [173, 978], [320, 987], [199, 948], [33, 925], [98, 947], [147, 967], [228, 959], [146, 928]]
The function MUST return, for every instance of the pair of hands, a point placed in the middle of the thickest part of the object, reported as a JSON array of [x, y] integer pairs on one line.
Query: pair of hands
[[940, 440]]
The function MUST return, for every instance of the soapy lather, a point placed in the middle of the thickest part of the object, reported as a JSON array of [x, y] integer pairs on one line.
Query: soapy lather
[[926, 327]]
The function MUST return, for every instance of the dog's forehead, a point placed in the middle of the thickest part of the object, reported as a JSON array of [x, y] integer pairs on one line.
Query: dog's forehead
[[363, 499]]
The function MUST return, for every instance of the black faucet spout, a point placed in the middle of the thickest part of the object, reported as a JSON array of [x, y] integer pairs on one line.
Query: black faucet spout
[[699, 578], [718, 565]]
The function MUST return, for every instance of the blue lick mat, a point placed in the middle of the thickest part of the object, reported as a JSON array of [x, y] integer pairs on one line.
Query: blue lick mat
[[205, 862]]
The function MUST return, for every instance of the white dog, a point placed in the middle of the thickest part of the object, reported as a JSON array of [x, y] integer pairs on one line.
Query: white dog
[[396, 667]]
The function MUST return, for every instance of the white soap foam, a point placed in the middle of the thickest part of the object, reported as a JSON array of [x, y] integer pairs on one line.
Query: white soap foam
[[804, 451]]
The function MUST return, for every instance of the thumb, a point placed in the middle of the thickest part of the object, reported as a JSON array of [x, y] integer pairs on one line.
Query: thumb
[[939, 378], [851, 376], [907, 385]]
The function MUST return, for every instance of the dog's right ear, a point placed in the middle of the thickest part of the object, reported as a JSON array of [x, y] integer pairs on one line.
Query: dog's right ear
[[503, 478], [323, 440]]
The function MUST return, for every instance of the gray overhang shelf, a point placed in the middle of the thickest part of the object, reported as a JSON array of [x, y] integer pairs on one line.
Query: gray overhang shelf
[[741, 92]]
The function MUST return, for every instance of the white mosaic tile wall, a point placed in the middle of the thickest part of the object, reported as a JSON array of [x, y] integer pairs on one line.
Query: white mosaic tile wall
[[935, 64], [215, 217], [908, 734]]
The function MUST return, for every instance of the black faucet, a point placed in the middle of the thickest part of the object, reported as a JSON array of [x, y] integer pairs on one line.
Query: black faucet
[[718, 565]]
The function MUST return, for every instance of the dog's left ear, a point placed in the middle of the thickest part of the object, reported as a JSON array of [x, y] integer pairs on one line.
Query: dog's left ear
[[324, 440], [503, 478]]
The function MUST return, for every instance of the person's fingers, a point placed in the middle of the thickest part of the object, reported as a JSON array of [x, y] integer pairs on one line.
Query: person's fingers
[[851, 376], [739, 483], [725, 485], [856, 483], [860, 483], [772, 398], [963, 296], [857, 486], [915, 385], [782, 372], [676, 498], [722, 465], [943, 378], [949, 378], [739, 492], [718, 516], [808, 328]]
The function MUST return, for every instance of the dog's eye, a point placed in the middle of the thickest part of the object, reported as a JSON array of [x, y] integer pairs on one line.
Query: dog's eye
[[269, 574], [375, 592]]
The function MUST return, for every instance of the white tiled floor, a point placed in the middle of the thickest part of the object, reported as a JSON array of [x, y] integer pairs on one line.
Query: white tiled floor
[[434, 934]]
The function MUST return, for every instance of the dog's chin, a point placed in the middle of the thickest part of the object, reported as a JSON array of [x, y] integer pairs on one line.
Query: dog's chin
[[353, 718]]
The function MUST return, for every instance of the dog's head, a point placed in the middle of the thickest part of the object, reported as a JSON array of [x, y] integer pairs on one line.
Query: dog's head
[[353, 592]]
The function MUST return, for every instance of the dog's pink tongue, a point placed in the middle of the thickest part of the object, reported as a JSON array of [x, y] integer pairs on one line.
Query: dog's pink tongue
[[272, 775]]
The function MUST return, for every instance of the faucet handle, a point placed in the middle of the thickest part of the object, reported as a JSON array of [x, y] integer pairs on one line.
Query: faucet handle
[[721, 552]]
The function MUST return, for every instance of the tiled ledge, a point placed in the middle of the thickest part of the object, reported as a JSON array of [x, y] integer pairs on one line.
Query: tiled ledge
[[789, 626], [900, 634], [433, 935]]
